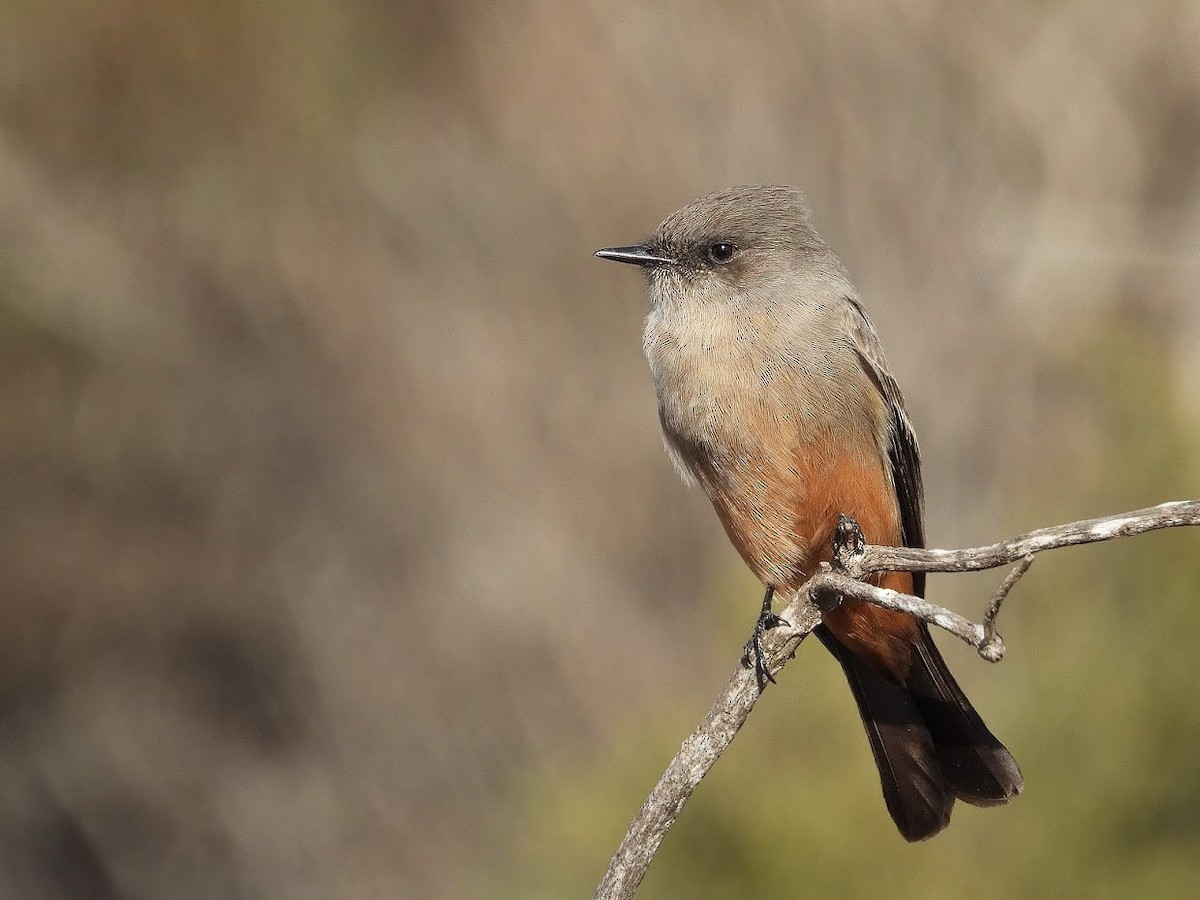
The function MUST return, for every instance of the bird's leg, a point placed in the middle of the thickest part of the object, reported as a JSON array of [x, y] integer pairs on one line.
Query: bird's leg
[[755, 654]]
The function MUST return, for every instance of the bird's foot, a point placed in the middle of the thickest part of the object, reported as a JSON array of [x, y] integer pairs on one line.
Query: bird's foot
[[756, 655]]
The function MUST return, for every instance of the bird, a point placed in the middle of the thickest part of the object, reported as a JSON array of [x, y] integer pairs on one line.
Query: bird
[[775, 397]]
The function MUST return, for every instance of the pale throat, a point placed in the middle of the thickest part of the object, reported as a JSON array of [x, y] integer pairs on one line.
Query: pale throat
[[730, 372]]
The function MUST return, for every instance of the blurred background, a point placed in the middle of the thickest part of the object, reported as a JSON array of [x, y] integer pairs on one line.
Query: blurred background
[[339, 556]]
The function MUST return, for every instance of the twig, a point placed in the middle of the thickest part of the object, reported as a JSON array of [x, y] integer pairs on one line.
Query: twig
[[1165, 515], [992, 648], [853, 561], [832, 586]]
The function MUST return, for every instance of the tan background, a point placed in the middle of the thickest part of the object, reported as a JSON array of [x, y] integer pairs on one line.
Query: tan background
[[338, 554]]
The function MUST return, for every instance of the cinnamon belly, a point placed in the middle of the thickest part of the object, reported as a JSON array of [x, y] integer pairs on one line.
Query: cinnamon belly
[[780, 511]]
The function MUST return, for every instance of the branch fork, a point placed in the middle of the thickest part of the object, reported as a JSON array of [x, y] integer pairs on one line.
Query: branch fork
[[852, 562]]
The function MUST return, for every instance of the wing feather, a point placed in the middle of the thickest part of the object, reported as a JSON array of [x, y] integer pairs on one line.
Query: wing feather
[[904, 456]]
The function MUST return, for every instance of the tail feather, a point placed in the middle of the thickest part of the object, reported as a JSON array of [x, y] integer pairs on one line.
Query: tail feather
[[929, 743], [979, 770], [914, 787]]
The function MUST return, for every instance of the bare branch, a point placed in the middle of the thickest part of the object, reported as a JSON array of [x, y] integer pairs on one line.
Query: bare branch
[[853, 561], [992, 648], [834, 586], [1165, 515], [700, 751]]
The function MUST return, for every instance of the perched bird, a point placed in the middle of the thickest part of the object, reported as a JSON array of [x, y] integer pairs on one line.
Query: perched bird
[[775, 397]]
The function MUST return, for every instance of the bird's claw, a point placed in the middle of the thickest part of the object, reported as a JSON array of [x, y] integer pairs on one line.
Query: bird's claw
[[756, 655]]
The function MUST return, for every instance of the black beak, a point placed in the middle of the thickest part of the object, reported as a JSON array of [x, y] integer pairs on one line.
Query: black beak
[[637, 255]]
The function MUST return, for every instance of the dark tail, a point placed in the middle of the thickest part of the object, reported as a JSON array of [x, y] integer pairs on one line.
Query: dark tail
[[929, 743]]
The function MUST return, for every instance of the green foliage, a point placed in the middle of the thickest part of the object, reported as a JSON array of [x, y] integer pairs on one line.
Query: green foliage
[[1099, 700]]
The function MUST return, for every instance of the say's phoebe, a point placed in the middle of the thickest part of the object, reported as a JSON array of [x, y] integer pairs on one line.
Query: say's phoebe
[[775, 397]]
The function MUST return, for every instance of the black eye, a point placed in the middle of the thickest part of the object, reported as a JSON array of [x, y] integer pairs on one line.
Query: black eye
[[721, 252]]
